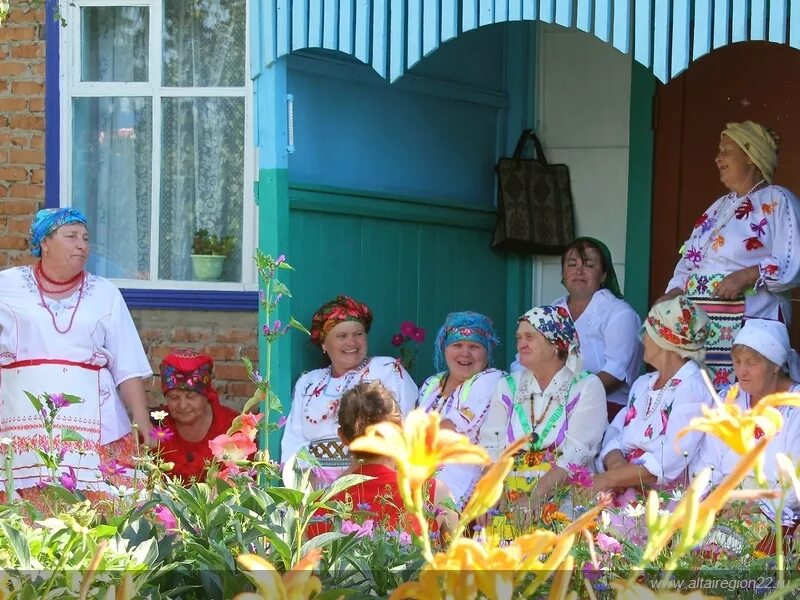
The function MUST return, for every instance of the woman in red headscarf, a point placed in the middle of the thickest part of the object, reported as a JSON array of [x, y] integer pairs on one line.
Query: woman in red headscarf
[[340, 329], [195, 413]]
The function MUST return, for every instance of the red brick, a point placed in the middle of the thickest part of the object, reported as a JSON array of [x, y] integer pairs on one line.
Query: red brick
[[237, 335], [37, 141], [37, 176], [8, 67], [33, 50], [37, 69], [235, 371], [9, 104], [9, 139], [3, 86], [18, 226], [13, 174], [19, 207], [157, 354], [17, 33], [250, 352], [222, 351], [241, 389], [26, 87], [26, 122], [13, 242], [25, 190], [36, 105], [191, 334], [27, 157], [3, 121]]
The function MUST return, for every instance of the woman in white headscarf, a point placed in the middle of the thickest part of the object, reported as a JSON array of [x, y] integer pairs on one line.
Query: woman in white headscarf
[[743, 255], [761, 354]]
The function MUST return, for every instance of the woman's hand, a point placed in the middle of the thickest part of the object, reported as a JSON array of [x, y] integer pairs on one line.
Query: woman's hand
[[673, 293], [733, 285]]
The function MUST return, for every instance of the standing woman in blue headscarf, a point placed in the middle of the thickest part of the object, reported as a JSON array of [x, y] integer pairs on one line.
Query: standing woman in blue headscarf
[[67, 338], [462, 387]]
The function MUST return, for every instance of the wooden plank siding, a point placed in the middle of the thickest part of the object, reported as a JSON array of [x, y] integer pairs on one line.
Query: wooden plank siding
[[394, 35]]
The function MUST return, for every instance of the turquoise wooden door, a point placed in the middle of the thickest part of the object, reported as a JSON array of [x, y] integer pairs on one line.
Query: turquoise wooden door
[[408, 260]]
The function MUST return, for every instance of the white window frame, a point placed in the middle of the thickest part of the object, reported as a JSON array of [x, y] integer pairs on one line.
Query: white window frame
[[71, 87]]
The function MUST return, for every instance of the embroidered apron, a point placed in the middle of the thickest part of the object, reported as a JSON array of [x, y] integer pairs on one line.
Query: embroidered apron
[[20, 421], [725, 320]]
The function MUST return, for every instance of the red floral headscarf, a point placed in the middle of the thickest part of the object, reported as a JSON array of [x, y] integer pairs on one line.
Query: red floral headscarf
[[330, 314], [185, 369]]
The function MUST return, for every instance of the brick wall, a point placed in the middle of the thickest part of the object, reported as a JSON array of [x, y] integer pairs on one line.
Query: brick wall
[[225, 336], [22, 52]]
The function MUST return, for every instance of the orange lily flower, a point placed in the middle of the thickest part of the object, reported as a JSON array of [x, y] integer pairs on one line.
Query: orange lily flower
[[418, 448], [297, 584]]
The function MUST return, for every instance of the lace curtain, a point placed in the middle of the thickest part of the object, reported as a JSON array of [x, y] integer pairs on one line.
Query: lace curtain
[[201, 137]]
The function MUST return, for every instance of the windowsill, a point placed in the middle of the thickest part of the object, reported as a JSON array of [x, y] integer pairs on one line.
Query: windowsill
[[194, 296]]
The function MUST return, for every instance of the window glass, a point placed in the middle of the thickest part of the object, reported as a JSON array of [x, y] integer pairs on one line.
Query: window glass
[[202, 180], [114, 43], [111, 182], [204, 43]]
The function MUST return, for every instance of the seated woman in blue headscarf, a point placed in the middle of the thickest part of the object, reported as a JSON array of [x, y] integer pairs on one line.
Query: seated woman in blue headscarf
[[463, 385]]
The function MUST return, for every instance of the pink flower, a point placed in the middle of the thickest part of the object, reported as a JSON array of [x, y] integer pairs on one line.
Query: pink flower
[[418, 335], [281, 422], [591, 573], [405, 538], [606, 543], [397, 340], [161, 434], [407, 328], [579, 475], [59, 401], [69, 480], [630, 415], [364, 530], [232, 448], [166, 518], [249, 424], [112, 468], [280, 259], [349, 527]]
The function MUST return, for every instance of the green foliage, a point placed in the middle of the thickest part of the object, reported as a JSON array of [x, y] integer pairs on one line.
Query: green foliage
[[204, 243]]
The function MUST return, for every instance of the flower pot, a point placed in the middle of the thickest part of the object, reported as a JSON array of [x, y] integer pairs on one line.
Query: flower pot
[[207, 267]]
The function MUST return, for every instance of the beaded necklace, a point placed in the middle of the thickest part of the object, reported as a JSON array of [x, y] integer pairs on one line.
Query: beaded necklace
[[653, 405], [38, 275], [333, 405], [721, 222]]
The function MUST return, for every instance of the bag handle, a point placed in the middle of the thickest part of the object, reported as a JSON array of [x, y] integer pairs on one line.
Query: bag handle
[[526, 136]]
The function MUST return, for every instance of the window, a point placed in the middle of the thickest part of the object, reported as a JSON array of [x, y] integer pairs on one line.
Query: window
[[156, 136]]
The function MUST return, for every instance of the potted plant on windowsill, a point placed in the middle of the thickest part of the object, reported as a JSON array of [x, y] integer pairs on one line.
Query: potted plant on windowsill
[[208, 254]]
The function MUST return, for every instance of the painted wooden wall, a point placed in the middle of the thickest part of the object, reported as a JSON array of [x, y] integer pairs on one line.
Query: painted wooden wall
[[576, 71]]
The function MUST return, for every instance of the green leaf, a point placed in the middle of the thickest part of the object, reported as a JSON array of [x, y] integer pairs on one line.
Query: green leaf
[[293, 498], [248, 364], [321, 541], [298, 325], [254, 401], [341, 484], [73, 399], [19, 544], [279, 287], [70, 435], [285, 265], [37, 405], [104, 531]]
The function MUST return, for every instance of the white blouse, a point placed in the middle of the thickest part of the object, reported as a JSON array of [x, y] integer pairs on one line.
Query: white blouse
[[315, 404], [466, 407], [102, 333], [608, 332], [715, 453], [735, 233], [646, 433], [569, 415]]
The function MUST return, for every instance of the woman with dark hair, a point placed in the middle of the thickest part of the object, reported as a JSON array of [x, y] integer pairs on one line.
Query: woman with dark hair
[[378, 499], [607, 326], [339, 328]]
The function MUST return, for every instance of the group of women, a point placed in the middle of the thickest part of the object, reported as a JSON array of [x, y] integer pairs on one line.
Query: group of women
[[578, 365], [579, 359]]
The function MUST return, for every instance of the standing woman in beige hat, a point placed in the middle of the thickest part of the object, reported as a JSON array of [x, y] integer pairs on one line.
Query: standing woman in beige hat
[[743, 256]]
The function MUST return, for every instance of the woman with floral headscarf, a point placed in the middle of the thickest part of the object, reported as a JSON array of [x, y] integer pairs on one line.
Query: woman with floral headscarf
[[66, 335], [640, 448], [553, 400], [463, 386], [743, 256], [340, 329]]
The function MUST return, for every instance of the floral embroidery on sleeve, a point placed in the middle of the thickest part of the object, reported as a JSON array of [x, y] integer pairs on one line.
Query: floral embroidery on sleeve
[[768, 208], [753, 243], [719, 242], [744, 209]]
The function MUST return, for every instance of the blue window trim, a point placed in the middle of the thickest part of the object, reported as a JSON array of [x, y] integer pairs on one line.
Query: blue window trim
[[135, 298]]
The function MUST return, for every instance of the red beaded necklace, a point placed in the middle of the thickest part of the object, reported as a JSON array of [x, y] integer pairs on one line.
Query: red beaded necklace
[[59, 287], [332, 406]]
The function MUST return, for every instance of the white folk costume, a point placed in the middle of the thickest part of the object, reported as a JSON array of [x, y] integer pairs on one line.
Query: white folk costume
[[466, 407], [761, 229], [566, 419], [646, 431], [313, 420], [85, 345]]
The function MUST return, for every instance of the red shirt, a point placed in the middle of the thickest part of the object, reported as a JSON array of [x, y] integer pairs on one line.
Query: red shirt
[[190, 457], [381, 494]]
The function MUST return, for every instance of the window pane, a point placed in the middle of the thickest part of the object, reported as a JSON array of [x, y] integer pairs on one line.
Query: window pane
[[111, 179], [202, 180], [204, 43], [114, 43]]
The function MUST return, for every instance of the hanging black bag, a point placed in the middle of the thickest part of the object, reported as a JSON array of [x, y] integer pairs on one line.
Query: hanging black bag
[[534, 202]]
